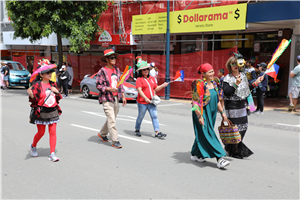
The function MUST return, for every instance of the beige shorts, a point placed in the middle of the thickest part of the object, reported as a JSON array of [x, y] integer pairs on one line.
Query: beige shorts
[[294, 91]]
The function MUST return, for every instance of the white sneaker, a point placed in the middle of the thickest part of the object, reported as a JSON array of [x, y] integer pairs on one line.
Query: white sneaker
[[53, 157], [257, 112], [222, 163], [195, 158], [33, 151]]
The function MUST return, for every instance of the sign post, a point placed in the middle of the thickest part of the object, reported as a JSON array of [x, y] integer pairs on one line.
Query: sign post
[[167, 78]]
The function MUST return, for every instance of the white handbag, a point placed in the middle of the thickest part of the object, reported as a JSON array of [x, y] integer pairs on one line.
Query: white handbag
[[154, 99]]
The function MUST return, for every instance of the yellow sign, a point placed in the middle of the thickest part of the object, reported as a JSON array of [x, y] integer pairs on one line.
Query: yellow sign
[[232, 43], [222, 18], [149, 24]]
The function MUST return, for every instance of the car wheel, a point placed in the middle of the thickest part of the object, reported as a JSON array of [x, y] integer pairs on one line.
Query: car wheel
[[86, 92]]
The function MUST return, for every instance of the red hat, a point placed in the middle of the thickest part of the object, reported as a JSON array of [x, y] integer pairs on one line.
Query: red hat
[[204, 68], [108, 52]]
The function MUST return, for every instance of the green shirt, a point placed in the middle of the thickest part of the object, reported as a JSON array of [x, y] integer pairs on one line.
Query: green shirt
[[296, 78]]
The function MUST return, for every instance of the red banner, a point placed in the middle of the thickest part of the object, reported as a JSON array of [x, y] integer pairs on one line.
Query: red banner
[[20, 59]]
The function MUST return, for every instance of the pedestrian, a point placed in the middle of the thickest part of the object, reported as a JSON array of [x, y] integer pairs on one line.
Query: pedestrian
[[206, 143], [5, 70], [236, 91], [295, 88], [44, 95], [153, 71], [64, 79], [109, 96], [261, 89], [2, 64], [146, 87], [221, 73], [71, 73]]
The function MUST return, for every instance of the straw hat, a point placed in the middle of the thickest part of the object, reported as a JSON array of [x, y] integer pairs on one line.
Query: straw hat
[[108, 52]]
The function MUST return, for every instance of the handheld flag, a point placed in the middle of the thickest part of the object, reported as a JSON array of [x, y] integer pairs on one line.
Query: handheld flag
[[273, 71], [280, 49], [179, 76], [251, 103], [125, 75]]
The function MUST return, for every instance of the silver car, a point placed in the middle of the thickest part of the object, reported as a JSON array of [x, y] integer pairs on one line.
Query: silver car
[[88, 87]]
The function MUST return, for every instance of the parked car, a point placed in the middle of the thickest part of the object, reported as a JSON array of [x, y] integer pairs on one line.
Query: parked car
[[88, 87], [18, 75]]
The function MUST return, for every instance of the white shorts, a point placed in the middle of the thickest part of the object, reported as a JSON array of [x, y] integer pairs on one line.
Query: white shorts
[[294, 91]]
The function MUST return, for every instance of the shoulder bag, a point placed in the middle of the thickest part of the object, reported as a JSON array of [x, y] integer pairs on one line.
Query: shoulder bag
[[32, 115], [229, 134], [154, 99]]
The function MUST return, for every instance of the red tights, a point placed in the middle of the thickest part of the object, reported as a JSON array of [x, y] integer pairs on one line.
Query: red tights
[[41, 131]]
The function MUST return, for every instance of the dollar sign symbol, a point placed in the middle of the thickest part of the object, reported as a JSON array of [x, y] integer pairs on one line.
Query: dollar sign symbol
[[179, 19], [237, 14]]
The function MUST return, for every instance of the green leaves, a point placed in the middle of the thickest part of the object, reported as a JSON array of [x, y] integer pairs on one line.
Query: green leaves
[[74, 20]]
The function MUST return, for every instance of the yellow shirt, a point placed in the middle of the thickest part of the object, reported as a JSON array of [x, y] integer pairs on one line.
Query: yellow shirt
[[53, 77]]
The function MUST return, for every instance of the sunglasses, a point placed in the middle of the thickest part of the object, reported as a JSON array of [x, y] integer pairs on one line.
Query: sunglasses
[[233, 64], [145, 69], [112, 58]]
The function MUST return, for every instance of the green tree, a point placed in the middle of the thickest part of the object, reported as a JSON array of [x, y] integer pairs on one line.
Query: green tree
[[74, 20]]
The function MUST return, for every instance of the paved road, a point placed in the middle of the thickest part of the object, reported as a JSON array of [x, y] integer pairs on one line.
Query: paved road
[[145, 168]]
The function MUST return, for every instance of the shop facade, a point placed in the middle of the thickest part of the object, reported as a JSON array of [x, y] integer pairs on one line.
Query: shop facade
[[267, 23]]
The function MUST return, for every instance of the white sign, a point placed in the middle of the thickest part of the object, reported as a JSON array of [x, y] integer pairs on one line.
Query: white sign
[[105, 37], [256, 47], [51, 40]]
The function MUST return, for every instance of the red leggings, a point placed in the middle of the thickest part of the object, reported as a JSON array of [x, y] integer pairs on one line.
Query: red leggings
[[41, 131]]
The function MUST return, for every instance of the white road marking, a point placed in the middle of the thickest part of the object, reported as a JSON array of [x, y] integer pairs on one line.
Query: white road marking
[[133, 119], [298, 125], [121, 136], [175, 104]]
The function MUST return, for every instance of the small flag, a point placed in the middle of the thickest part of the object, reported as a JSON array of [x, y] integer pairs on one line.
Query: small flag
[[273, 71], [179, 76]]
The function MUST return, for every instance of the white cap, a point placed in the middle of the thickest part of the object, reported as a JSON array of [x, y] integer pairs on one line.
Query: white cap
[[62, 67]]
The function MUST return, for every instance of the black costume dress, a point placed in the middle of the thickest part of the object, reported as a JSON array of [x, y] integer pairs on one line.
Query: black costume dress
[[235, 101]]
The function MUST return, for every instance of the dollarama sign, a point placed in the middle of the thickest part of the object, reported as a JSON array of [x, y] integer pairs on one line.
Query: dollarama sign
[[222, 18]]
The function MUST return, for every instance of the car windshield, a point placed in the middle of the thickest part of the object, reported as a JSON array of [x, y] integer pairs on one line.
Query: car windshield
[[16, 66]]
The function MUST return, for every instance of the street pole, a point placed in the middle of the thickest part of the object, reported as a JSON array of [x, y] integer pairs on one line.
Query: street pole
[[167, 79]]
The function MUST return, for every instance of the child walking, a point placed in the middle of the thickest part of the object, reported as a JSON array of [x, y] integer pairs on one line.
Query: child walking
[[44, 96]]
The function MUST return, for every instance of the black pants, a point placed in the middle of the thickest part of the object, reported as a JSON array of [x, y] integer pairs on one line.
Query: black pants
[[65, 86], [260, 100]]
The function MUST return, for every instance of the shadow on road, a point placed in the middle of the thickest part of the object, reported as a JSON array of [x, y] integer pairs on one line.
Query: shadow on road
[[185, 157], [97, 140], [143, 133], [43, 152]]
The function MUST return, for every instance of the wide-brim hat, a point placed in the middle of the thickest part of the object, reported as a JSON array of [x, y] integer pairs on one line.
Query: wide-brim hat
[[142, 65], [108, 52]]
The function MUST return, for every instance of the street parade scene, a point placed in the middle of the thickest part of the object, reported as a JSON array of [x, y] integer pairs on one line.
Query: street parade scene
[[136, 99]]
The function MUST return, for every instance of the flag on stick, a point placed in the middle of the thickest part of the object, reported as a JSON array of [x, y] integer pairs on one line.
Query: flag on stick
[[273, 71], [179, 76]]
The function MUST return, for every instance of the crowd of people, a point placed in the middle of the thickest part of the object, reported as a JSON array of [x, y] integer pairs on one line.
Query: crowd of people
[[228, 96]]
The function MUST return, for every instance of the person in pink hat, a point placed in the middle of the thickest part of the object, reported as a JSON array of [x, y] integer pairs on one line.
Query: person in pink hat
[[109, 95]]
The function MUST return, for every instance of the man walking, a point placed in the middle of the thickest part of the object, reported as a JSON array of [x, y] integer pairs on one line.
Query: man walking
[[109, 95], [295, 88]]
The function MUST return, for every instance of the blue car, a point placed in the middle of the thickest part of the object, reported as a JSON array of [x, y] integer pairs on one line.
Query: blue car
[[18, 75]]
